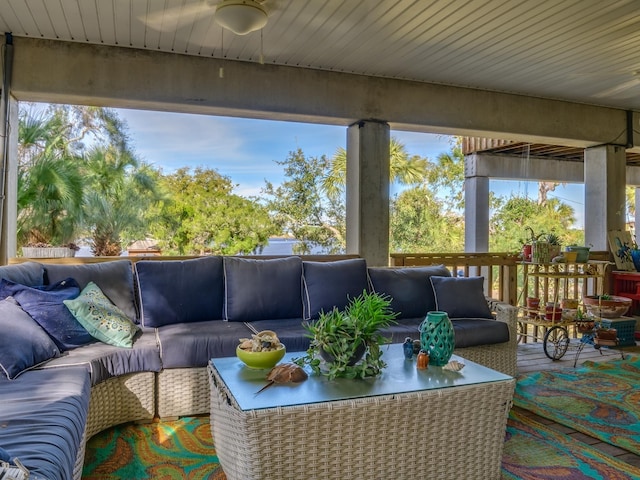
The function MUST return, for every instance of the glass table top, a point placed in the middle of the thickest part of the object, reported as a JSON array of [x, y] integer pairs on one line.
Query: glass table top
[[400, 376]]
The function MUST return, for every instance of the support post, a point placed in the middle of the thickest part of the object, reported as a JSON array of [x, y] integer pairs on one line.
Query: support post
[[604, 192], [368, 191], [476, 207]]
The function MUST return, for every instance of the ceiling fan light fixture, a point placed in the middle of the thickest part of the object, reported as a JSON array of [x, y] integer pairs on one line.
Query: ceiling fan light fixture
[[241, 16]]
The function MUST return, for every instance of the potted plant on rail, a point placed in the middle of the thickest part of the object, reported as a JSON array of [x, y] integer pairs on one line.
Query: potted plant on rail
[[349, 340]]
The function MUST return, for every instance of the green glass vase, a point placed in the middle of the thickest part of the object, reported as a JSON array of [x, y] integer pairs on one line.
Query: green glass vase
[[437, 337]]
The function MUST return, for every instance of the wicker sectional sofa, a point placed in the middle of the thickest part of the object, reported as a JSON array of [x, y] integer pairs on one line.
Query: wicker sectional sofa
[[189, 311]]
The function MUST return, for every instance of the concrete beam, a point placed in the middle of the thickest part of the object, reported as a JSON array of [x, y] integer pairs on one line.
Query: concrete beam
[[77, 73]]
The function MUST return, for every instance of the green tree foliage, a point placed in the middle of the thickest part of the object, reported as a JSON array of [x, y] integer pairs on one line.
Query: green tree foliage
[[508, 224], [119, 192], [419, 224], [50, 185], [78, 176], [301, 208], [203, 216]]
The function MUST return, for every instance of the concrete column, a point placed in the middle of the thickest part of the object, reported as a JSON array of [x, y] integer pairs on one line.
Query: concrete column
[[8, 156], [368, 191], [476, 207], [604, 186]]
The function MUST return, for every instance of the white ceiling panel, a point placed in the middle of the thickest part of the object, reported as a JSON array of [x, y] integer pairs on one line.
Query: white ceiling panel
[[578, 50]]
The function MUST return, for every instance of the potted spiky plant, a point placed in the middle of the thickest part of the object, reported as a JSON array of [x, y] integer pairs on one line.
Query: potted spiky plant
[[349, 340]]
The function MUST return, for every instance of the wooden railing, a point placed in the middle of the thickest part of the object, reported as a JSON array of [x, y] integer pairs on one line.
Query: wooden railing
[[503, 272]]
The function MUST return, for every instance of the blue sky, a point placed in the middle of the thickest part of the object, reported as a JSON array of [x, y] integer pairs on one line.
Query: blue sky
[[245, 150]]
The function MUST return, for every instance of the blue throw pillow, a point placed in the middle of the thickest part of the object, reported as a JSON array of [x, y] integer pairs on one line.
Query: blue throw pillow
[[23, 343], [180, 291], [262, 289], [333, 284], [44, 305], [461, 297], [409, 288], [4, 455]]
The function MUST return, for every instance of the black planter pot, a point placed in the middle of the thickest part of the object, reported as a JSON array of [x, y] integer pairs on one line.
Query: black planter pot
[[327, 357]]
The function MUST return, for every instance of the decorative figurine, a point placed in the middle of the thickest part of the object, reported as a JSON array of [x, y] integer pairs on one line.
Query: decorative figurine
[[423, 360], [407, 347], [416, 347]]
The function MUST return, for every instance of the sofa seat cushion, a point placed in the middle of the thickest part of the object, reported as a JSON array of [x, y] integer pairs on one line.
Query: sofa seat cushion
[[104, 361], [42, 419], [332, 284], [115, 279], [23, 343], [469, 332], [409, 288], [472, 332], [262, 289], [185, 345], [291, 332], [177, 291]]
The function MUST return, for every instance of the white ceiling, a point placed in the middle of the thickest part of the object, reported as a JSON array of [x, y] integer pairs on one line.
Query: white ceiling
[[579, 50]]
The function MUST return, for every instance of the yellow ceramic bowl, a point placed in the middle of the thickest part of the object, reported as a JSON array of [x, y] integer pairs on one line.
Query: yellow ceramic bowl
[[260, 360]]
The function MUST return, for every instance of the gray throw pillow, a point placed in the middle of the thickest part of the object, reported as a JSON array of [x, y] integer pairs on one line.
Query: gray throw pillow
[[269, 289], [461, 297], [179, 291], [409, 288], [27, 273], [333, 284], [114, 278], [23, 343]]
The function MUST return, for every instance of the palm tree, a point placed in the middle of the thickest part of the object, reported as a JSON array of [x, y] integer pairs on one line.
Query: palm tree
[[49, 182], [402, 168], [119, 191]]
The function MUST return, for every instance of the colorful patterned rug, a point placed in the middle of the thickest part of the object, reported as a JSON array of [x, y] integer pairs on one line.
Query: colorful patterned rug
[[183, 449], [180, 449], [535, 452], [599, 399]]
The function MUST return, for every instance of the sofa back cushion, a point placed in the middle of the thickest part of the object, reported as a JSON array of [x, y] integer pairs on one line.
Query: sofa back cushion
[[461, 297], [180, 291], [27, 273], [262, 289], [114, 278], [332, 284], [23, 343], [410, 290]]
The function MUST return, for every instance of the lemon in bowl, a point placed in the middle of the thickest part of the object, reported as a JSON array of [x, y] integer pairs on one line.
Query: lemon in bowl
[[261, 360]]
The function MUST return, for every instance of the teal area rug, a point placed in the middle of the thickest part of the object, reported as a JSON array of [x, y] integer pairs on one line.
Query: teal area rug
[[598, 399], [180, 449], [533, 451]]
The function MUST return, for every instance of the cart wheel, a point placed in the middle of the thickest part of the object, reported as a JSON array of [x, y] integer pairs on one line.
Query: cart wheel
[[556, 342], [522, 332]]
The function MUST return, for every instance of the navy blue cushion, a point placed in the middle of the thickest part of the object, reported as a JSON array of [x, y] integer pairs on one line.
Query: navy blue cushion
[[178, 291], [114, 278], [23, 343], [332, 284], [27, 273], [262, 289], [461, 297], [4, 455], [44, 305], [409, 288]]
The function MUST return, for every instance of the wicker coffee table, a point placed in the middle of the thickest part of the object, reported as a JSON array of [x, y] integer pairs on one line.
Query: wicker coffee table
[[405, 424]]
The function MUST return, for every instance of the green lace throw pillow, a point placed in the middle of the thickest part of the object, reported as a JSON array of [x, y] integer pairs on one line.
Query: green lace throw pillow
[[101, 318]]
